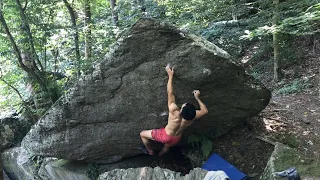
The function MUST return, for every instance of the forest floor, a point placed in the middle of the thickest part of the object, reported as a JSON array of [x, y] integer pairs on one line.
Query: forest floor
[[292, 118]]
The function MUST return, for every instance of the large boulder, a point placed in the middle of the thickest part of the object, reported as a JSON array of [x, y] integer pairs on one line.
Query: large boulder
[[284, 157], [100, 118], [59, 169], [18, 164], [12, 130], [147, 173], [5, 176], [63, 170]]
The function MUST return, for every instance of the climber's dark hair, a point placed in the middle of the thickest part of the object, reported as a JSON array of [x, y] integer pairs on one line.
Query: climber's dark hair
[[188, 112]]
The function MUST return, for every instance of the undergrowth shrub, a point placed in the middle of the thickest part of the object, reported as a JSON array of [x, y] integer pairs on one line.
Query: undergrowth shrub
[[202, 142], [295, 86]]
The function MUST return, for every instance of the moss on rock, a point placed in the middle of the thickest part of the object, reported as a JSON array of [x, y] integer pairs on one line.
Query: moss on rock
[[284, 157]]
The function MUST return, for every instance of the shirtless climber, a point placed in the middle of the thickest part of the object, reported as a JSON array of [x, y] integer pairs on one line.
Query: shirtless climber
[[178, 120]]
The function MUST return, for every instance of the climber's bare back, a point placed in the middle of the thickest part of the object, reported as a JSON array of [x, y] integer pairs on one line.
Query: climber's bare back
[[176, 124]]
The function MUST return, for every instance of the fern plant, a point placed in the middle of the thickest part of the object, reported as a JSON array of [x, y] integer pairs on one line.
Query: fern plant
[[202, 142]]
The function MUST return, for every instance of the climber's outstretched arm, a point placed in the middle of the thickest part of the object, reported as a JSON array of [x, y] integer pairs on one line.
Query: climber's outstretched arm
[[203, 108], [171, 99]]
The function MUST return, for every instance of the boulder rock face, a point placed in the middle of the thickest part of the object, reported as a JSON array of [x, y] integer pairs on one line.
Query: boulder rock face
[[147, 173], [12, 130], [284, 157], [18, 165], [63, 170], [5, 176], [100, 118]]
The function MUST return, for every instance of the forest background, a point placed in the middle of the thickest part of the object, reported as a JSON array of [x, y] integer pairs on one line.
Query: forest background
[[47, 45]]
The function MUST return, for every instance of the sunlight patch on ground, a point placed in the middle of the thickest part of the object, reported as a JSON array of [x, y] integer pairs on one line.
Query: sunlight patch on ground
[[274, 124]]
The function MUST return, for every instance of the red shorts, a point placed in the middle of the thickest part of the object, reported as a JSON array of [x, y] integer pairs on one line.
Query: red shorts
[[160, 135]]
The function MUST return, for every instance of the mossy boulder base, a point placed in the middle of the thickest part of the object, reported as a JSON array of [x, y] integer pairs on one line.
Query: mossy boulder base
[[100, 118], [284, 157], [12, 130]]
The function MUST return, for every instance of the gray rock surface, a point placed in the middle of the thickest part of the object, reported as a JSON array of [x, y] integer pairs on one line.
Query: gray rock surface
[[195, 155], [5, 176], [284, 157], [12, 130], [53, 169], [147, 173], [18, 165], [100, 118]]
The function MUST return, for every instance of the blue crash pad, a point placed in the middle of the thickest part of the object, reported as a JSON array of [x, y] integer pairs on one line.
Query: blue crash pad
[[215, 163]]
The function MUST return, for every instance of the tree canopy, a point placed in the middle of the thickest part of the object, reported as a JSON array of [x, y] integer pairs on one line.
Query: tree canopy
[[46, 45]]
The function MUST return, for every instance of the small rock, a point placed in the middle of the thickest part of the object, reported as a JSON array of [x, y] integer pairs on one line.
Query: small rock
[[306, 133], [253, 175], [305, 119]]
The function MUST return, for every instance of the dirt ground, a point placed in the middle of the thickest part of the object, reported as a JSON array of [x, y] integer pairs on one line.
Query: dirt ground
[[243, 148], [292, 119]]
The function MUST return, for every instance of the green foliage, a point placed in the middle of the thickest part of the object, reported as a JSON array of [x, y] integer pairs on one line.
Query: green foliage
[[203, 142], [93, 171], [54, 44], [291, 51], [296, 17], [37, 160], [260, 67], [306, 23], [228, 38], [206, 147], [10, 73], [262, 53], [295, 86]]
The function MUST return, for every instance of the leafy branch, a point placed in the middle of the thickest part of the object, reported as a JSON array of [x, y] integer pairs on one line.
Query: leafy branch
[[11, 86]]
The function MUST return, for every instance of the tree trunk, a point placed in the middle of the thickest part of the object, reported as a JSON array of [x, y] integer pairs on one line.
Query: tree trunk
[[114, 12], [26, 29], [75, 35], [45, 53], [276, 67], [234, 12], [87, 23], [28, 60], [32, 71]]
